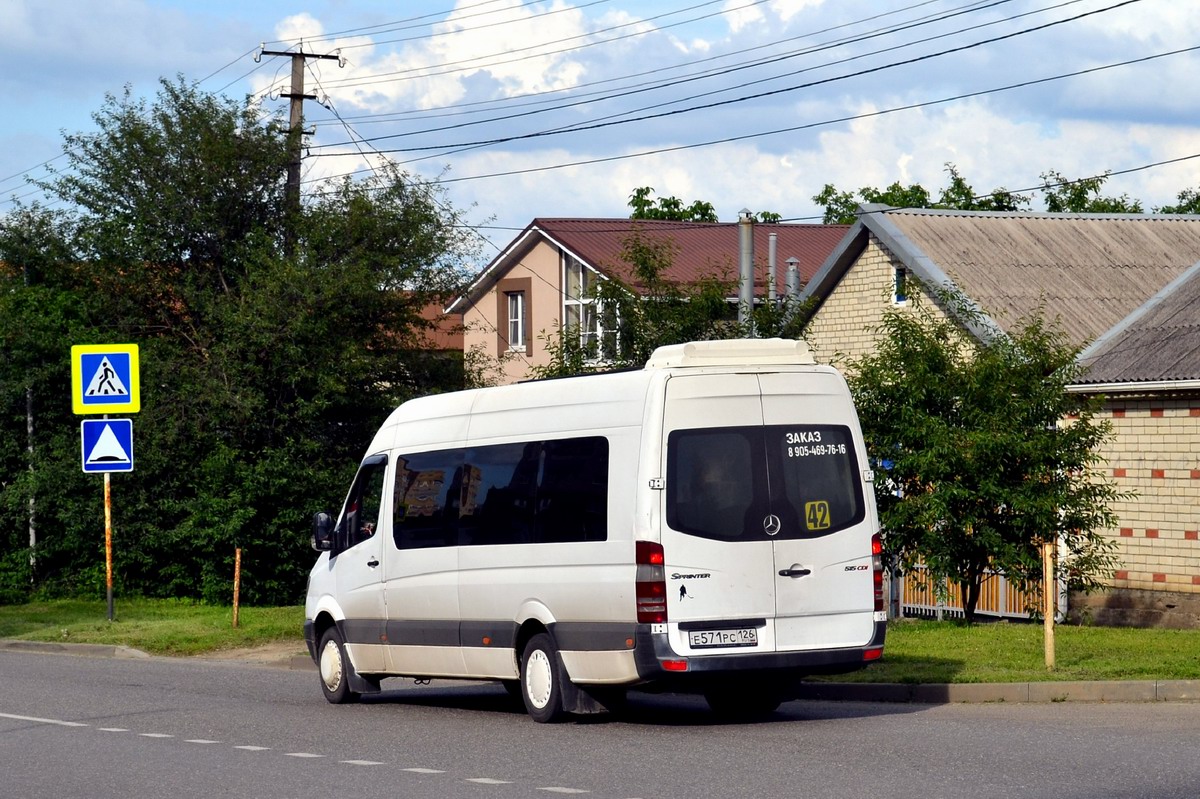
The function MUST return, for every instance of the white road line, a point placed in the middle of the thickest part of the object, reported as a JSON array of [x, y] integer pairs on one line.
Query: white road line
[[37, 720], [425, 770], [563, 790], [112, 729], [362, 762], [302, 754], [200, 741], [253, 748], [155, 735], [488, 781]]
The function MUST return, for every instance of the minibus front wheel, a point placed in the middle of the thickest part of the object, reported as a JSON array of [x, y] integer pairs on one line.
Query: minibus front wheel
[[335, 668]]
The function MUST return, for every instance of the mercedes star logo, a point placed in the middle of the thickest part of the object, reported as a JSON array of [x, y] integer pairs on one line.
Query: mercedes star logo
[[772, 525]]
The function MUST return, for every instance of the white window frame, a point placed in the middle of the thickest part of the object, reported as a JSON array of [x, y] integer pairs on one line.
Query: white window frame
[[587, 308], [900, 285], [515, 301]]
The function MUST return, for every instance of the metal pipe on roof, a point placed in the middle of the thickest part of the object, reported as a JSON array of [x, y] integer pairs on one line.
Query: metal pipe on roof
[[792, 284], [745, 267], [772, 249]]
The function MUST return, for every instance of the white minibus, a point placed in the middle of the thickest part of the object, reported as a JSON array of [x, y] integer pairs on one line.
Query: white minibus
[[706, 524]]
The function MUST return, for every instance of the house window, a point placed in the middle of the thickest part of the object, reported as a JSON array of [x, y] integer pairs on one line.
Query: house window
[[900, 286], [584, 315], [513, 321], [516, 319]]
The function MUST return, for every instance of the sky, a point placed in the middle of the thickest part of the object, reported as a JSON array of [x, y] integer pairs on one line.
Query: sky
[[561, 108]]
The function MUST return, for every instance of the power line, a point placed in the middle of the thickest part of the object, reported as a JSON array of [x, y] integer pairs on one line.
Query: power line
[[759, 95], [807, 51]]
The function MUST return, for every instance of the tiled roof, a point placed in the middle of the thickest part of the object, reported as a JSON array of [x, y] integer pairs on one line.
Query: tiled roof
[[701, 249]]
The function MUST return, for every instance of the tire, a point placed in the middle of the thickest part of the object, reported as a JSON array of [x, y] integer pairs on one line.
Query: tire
[[334, 668], [541, 681], [744, 704]]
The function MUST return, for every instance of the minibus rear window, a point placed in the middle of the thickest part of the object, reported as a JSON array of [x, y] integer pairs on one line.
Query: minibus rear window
[[726, 483]]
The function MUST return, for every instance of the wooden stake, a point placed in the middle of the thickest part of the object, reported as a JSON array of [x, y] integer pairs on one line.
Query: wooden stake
[[1049, 605], [237, 582]]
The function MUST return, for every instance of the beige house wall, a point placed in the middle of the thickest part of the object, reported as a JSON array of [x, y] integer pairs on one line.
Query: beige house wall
[[543, 302], [843, 327], [1155, 452]]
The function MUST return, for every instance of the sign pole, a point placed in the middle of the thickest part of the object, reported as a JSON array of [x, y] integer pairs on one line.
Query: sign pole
[[108, 552]]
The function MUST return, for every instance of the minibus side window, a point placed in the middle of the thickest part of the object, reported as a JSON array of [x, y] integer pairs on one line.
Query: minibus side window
[[361, 517], [572, 499], [499, 492], [426, 498]]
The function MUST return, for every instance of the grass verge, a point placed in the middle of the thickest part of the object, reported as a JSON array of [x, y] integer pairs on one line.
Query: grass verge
[[157, 626], [951, 652], [916, 651]]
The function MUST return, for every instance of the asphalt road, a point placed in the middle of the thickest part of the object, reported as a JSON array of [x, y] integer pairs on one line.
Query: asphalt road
[[95, 727]]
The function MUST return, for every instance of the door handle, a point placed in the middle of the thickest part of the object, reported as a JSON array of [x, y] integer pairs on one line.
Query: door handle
[[373, 562], [794, 572]]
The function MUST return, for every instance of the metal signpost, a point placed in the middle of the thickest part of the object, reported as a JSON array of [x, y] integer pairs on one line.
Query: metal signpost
[[104, 380]]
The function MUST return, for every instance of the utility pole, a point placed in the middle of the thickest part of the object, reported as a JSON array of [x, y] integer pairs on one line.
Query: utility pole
[[296, 127]]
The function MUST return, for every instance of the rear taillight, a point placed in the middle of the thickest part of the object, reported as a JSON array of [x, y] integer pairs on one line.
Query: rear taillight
[[877, 570], [651, 583]]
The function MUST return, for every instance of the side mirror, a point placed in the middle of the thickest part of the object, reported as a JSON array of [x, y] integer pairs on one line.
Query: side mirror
[[322, 535]]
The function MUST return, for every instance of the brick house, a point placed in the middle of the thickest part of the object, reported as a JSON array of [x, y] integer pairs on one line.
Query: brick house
[[543, 278], [1126, 286]]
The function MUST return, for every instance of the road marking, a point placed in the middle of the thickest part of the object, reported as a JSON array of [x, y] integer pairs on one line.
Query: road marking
[[564, 790], [155, 735], [200, 741], [253, 748], [487, 781], [425, 770], [37, 720], [302, 754], [112, 729], [362, 762]]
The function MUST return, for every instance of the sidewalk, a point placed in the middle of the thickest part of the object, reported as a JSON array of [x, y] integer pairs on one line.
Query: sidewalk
[[1116, 691]]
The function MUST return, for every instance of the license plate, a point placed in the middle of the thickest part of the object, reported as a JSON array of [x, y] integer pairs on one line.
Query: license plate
[[742, 636]]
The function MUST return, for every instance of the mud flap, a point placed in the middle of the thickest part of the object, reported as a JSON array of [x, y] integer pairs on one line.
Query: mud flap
[[575, 698]]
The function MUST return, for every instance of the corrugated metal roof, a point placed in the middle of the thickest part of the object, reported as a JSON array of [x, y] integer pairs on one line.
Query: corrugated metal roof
[[701, 250], [1088, 271], [1157, 343]]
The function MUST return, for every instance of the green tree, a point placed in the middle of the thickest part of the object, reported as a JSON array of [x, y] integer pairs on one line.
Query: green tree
[[979, 451], [265, 370], [1187, 202], [1082, 196], [841, 207], [671, 208]]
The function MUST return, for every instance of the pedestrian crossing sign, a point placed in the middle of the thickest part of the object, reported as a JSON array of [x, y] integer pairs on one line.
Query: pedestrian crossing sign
[[104, 378], [107, 445]]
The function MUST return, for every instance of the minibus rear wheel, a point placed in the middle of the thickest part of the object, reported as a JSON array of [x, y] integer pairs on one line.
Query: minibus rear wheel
[[335, 669], [541, 687]]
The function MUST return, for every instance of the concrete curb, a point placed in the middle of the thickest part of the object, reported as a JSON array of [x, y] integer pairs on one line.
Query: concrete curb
[[88, 650], [1115, 691], [972, 693]]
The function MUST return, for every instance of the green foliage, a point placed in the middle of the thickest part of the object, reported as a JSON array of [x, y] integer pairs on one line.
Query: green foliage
[[1082, 196], [1188, 203], [671, 208], [980, 453], [841, 207], [265, 369]]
